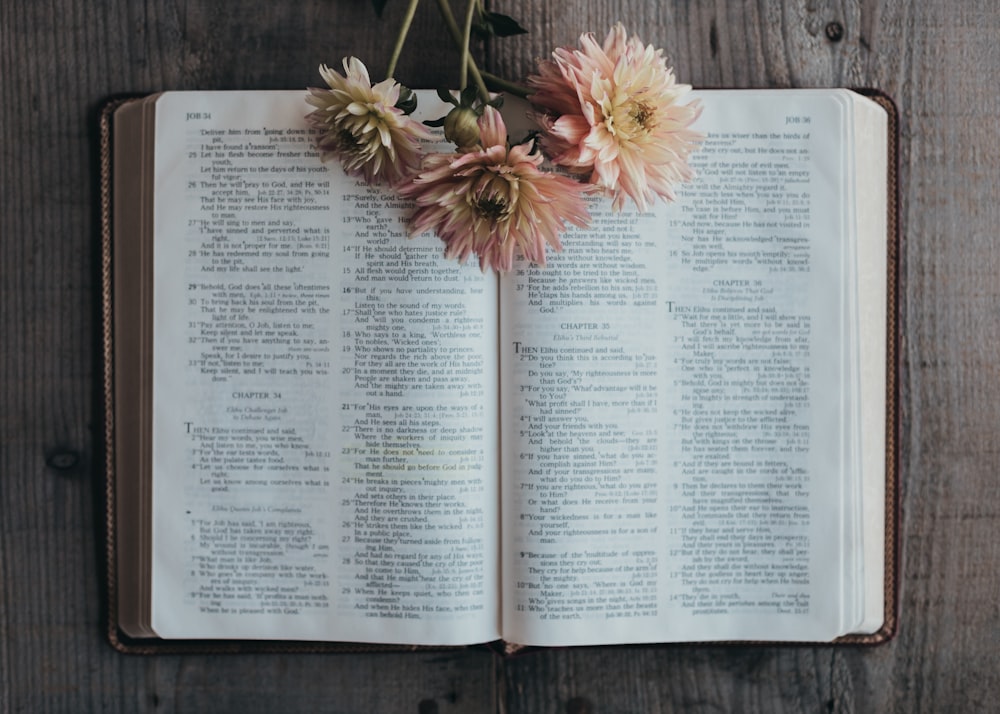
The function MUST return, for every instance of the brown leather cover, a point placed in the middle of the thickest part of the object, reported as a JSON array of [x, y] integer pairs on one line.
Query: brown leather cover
[[109, 249]]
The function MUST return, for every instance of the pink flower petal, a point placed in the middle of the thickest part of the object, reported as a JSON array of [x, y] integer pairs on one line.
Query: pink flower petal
[[626, 125], [494, 202]]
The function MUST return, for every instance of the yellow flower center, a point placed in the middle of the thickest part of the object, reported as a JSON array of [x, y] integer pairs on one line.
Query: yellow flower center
[[348, 142], [631, 119], [642, 116], [354, 151], [492, 208], [494, 201]]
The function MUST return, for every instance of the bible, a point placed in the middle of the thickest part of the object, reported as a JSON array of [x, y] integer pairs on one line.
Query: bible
[[319, 431]]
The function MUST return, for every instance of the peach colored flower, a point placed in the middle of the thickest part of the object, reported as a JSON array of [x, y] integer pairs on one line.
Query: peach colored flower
[[493, 201], [360, 124], [613, 111]]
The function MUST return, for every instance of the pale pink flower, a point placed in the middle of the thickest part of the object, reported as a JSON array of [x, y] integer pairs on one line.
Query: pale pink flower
[[493, 201], [613, 112], [360, 124]]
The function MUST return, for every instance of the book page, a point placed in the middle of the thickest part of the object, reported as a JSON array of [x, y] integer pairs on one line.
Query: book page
[[324, 395], [672, 405], [872, 124]]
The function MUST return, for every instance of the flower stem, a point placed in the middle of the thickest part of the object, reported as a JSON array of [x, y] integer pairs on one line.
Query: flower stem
[[507, 86], [456, 35], [401, 38], [470, 12]]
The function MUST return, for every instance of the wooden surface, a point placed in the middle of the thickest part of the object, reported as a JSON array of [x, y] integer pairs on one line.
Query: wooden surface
[[59, 60]]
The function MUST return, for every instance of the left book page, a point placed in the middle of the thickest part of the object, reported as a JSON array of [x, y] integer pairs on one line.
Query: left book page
[[324, 395]]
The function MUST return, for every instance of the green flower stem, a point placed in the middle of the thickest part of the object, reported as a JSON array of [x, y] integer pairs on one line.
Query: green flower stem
[[456, 35], [506, 86], [401, 38], [470, 12]]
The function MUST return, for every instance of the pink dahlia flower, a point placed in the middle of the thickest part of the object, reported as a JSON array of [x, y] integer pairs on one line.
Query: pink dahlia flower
[[613, 111], [493, 201], [360, 124]]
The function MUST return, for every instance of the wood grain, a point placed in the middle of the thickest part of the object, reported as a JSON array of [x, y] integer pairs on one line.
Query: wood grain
[[59, 60]]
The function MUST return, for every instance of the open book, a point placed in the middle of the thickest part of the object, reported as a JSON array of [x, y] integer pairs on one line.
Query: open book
[[321, 431]]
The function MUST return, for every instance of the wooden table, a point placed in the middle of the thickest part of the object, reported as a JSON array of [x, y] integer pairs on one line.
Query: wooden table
[[60, 60]]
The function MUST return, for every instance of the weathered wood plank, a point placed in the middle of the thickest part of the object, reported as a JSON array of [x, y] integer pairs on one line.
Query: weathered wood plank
[[53, 656], [929, 56], [59, 60]]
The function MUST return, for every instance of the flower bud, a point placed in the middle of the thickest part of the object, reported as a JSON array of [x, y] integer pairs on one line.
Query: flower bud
[[461, 127]]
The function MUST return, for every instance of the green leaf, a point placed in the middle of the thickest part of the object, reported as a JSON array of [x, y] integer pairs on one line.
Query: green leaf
[[379, 6], [445, 96], [493, 24], [407, 102], [434, 122], [469, 96]]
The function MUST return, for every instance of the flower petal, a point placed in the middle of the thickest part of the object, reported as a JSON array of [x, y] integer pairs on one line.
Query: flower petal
[[494, 202], [360, 125], [626, 126]]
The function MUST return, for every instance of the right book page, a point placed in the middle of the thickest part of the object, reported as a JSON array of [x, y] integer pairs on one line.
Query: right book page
[[686, 391]]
